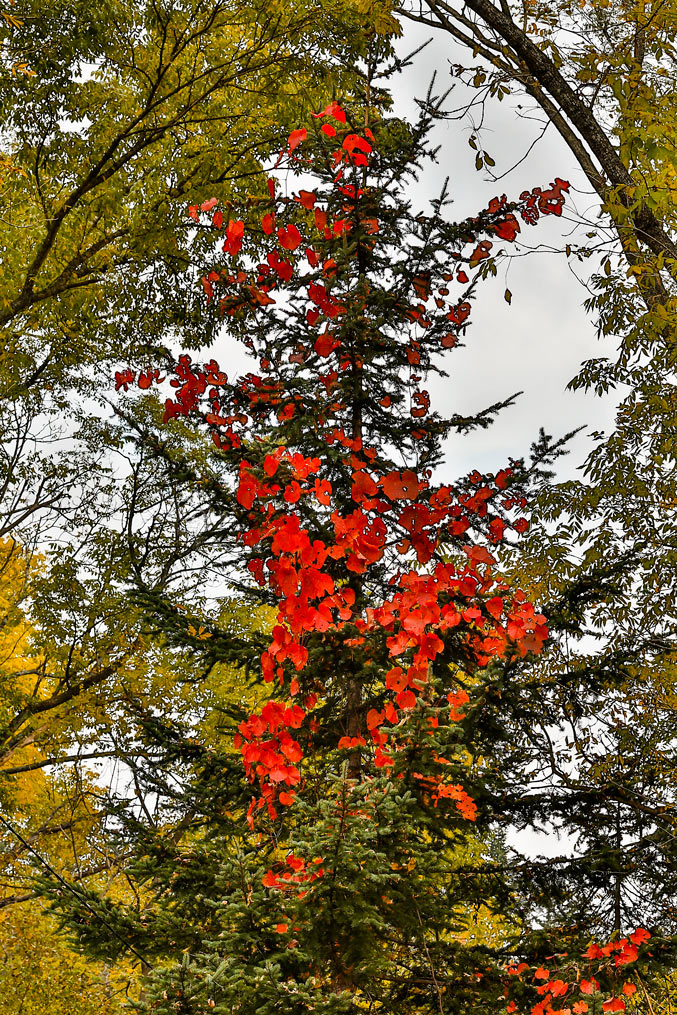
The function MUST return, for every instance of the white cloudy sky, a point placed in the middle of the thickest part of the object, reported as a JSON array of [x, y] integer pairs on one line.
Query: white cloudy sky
[[536, 344]]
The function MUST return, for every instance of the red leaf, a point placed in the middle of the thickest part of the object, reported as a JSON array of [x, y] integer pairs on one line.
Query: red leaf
[[145, 380], [207, 286], [268, 223], [480, 252], [363, 486], [295, 139], [406, 699], [374, 718], [496, 529], [209, 204], [349, 743], [401, 485], [283, 269], [455, 699], [325, 344], [271, 462], [333, 109], [353, 142], [382, 760], [479, 555], [290, 238], [258, 297], [292, 493], [421, 284], [123, 378], [613, 1004], [508, 229], [396, 679], [307, 198], [234, 234], [495, 607], [328, 130], [323, 491]]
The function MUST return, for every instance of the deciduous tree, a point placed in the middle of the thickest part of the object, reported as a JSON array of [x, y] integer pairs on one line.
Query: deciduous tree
[[130, 108]]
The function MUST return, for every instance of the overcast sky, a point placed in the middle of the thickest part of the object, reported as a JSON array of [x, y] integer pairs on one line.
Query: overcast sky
[[536, 344]]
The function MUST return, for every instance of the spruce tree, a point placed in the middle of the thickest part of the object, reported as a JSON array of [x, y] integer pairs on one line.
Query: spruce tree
[[340, 846]]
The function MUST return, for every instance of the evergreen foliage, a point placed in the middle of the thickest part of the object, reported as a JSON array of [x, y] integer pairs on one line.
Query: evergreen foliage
[[342, 847]]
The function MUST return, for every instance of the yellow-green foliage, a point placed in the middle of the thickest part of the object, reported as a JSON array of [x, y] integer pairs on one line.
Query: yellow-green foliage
[[41, 975]]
